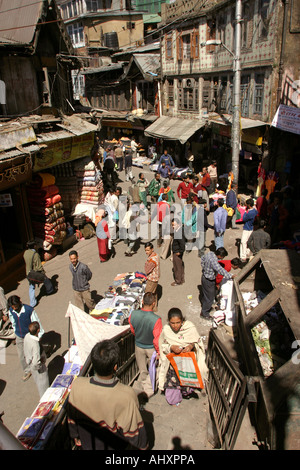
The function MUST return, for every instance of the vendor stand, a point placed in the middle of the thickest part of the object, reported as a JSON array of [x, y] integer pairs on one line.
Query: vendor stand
[[46, 428]]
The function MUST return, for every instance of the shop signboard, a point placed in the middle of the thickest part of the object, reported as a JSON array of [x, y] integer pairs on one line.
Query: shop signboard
[[64, 150], [287, 119]]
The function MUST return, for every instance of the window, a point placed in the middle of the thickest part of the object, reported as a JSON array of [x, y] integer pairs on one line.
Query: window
[[195, 45], [188, 95], [130, 25], [75, 31], [245, 93], [265, 18], [169, 48], [247, 24], [93, 5], [223, 94], [206, 94], [184, 46], [211, 34], [258, 93], [170, 93]]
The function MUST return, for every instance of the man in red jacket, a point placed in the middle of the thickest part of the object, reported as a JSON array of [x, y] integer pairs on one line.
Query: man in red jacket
[[184, 189]]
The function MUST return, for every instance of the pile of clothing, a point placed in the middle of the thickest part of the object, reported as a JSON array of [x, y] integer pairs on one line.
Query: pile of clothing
[[272, 336], [89, 181], [46, 208], [66, 180], [124, 296]]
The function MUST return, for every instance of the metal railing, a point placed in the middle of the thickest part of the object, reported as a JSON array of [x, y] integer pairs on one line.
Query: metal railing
[[229, 392]]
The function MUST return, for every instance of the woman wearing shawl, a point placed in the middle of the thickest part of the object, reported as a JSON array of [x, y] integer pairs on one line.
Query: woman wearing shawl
[[178, 336], [103, 235]]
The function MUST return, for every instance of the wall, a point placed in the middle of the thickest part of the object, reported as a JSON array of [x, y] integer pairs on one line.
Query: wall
[[20, 79]]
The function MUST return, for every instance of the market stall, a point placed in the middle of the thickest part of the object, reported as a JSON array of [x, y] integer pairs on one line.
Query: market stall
[[46, 428]]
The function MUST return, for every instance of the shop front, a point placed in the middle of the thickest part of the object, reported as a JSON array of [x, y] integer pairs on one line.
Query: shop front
[[15, 226], [251, 151]]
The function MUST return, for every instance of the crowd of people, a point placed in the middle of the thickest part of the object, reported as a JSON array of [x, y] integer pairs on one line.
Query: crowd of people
[[180, 225]]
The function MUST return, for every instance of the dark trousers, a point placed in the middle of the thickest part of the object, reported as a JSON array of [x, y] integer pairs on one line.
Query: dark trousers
[[208, 295], [178, 267]]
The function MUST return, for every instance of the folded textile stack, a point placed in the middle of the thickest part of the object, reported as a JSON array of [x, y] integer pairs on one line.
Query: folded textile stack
[[124, 296], [37, 427], [66, 180], [46, 208], [90, 185]]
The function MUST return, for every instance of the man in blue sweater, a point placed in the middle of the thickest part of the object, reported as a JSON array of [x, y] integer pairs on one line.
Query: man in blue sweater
[[21, 316], [146, 327], [220, 220]]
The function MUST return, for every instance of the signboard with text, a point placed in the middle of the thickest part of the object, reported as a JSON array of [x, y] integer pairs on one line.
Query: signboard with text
[[287, 119], [64, 150]]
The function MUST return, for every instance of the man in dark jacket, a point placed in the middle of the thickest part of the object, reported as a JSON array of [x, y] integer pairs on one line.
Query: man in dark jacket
[[81, 276], [259, 239], [231, 201], [178, 248]]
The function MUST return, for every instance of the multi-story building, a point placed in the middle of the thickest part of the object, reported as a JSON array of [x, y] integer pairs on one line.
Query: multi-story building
[[198, 78]]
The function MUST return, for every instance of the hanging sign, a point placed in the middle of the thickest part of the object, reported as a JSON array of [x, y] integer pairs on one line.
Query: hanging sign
[[287, 119]]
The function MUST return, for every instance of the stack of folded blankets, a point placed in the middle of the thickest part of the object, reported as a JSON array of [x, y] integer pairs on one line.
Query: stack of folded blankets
[[66, 180], [46, 208], [90, 185]]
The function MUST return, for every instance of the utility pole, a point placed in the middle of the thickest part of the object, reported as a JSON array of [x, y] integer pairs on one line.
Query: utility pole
[[236, 112]]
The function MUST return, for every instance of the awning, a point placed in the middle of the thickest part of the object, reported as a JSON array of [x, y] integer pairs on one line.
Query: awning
[[246, 123], [171, 128]]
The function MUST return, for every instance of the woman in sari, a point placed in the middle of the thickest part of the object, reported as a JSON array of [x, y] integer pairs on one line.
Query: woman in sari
[[103, 235], [178, 336]]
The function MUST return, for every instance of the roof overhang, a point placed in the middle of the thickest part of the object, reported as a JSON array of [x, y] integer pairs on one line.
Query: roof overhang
[[171, 128], [226, 120]]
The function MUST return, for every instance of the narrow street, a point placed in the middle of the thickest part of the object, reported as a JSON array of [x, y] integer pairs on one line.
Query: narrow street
[[169, 427]]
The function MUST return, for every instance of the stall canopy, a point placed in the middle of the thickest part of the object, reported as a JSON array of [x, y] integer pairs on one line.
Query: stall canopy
[[171, 128], [246, 123], [88, 331]]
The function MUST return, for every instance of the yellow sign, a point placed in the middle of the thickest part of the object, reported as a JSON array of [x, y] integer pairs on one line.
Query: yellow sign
[[64, 150]]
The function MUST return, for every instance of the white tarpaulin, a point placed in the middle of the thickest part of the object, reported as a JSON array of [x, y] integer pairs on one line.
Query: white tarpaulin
[[88, 331]]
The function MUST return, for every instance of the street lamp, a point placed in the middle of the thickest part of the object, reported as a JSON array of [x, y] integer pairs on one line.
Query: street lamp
[[235, 129]]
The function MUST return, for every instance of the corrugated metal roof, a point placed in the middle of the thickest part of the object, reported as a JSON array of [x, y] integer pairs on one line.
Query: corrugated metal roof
[[18, 20], [148, 63], [171, 128]]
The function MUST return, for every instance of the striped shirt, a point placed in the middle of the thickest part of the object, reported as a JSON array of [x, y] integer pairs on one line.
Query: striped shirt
[[211, 267]]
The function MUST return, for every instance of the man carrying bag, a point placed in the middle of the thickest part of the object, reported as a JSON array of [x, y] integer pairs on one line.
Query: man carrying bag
[[35, 272]]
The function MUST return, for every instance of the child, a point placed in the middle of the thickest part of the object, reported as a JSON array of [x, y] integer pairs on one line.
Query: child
[[36, 357]]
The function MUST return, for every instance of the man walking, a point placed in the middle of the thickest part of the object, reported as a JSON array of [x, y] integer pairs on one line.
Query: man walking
[[259, 239], [231, 201], [220, 220], [21, 315], [146, 327], [154, 187], [81, 275], [210, 268], [184, 188], [33, 263], [178, 248], [36, 357], [152, 270]]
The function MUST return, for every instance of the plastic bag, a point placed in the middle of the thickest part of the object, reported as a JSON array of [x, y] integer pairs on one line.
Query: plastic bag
[[186, 368]]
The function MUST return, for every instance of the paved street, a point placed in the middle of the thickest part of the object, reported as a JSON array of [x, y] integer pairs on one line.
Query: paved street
[[184, 426]]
